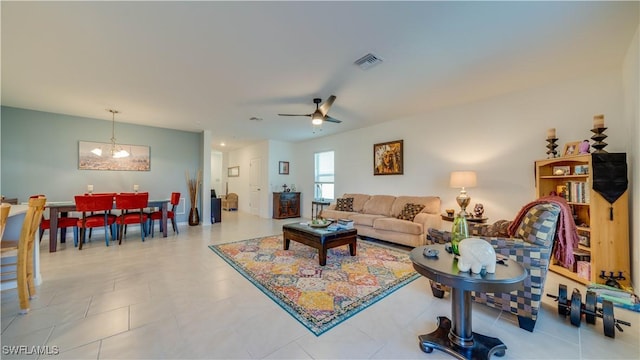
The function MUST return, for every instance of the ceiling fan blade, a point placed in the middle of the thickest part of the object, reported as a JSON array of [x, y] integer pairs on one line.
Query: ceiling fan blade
[[295, 114], [324, 108], [333, 120]]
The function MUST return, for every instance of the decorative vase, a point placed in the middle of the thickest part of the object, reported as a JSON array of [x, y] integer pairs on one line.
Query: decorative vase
[[459, 232], [194, 216]]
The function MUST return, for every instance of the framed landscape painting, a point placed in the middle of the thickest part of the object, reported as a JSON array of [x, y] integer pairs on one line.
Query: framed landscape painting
[[99, 156], [388, 158]]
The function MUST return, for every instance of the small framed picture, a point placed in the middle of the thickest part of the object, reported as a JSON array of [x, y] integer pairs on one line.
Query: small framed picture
[[283, 168], [561, 170], [571, 148], [233, 171], [581, 169]]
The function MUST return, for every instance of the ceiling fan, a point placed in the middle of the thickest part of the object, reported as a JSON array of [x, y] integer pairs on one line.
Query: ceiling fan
[[320, 115]]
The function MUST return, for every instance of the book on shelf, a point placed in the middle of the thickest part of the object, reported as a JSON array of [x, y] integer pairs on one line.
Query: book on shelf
[[576, 191]]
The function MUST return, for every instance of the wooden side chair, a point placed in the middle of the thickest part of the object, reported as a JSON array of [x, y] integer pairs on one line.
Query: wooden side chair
[[132, 206], [4, 215], [24, 247], [171, 214]]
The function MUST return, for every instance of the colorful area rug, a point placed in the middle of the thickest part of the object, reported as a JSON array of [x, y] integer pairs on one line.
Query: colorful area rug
[[319, 297]]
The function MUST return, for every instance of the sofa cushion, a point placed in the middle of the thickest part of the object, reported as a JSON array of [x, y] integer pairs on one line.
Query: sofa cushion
[[364, 219], [431, 204], [379, 205], [335, 214], [539, 225], [344, 204], [410, 211], [358, 200], [398, 225]]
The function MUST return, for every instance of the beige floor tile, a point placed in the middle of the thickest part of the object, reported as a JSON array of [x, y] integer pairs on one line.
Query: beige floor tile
[[175, 298], [77, 333]]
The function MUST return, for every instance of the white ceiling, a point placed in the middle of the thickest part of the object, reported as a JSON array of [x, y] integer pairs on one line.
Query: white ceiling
[[213, 65]]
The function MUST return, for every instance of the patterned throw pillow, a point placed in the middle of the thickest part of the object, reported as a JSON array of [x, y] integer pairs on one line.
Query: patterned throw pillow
[[410, 211], [539, 225], [499, 229], [344, 204]]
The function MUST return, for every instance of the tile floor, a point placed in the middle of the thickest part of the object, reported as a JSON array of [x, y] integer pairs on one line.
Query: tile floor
[[174, 298]]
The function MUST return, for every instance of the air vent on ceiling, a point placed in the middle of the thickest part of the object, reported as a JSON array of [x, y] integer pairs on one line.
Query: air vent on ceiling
[[368, 61]]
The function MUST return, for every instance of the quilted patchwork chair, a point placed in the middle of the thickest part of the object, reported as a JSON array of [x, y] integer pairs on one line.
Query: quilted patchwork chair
[[531, 246]]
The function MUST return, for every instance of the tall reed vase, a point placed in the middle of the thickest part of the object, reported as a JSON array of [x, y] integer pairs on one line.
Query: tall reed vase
[[194, 217]]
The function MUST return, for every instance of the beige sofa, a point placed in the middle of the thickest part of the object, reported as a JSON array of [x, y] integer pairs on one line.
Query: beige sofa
[[376, 216]]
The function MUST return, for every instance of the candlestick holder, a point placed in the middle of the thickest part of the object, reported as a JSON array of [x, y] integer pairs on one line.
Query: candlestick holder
[[552, 153], [598, 136]]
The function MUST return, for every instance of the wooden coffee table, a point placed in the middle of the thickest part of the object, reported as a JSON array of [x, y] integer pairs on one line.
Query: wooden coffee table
[[319, 238]]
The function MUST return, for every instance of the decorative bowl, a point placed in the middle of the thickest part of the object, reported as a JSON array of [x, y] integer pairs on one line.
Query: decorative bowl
[[320, 225]]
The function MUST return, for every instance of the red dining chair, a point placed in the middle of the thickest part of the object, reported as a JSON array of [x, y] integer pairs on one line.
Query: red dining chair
[[63, 222], [113, 195], [132, 206], [95, 213], [171, 214]]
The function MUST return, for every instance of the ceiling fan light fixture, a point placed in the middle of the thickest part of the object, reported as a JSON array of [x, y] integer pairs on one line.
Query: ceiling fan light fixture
[[317, 118]]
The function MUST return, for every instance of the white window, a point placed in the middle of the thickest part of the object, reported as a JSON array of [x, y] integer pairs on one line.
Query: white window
[[324, 175]]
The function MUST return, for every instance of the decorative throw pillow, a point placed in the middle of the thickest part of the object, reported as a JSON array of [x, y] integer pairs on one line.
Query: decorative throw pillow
[[539, 225], [499, 228], [344, 204], [410, 211]]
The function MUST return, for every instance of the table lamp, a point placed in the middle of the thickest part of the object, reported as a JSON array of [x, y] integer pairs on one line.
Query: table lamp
[[462, 180]]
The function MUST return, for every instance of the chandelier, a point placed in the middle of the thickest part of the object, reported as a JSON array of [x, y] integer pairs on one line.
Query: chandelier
[[116, 151]]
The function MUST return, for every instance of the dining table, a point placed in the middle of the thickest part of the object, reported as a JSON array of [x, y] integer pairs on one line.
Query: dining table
[[58, 209]]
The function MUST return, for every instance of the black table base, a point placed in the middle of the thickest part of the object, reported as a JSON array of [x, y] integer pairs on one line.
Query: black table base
[[482, 346]]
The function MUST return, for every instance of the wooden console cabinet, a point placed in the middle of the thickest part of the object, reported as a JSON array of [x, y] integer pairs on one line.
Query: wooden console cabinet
[[286, 205], [603, 228]]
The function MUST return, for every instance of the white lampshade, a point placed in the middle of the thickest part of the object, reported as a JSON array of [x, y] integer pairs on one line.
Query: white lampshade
[[463, 179]]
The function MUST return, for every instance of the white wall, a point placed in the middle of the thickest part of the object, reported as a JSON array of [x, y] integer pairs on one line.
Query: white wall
[[240, 184], [631, 83], [499, 138], [282, 151], [217, 180]]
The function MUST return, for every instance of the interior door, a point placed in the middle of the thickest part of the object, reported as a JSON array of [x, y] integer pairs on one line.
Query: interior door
[[255, 170]]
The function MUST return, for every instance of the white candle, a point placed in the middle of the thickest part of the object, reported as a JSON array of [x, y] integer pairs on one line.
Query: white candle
[[598, 121], [551, 133], [90, 188], [136, 187]]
